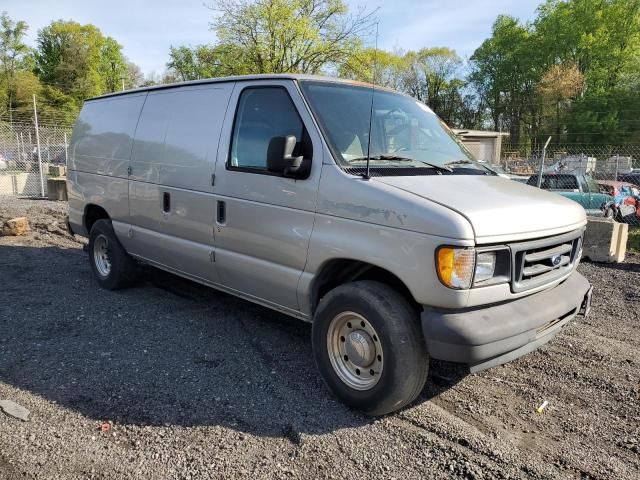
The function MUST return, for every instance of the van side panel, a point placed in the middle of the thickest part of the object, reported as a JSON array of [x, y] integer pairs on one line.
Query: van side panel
[[103, 135], [99, 156], [110, 193], [173, 161], [177, 136]]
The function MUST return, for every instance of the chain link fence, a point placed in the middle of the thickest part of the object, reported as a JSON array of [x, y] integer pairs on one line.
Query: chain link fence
[[24, 168], [605, 180]]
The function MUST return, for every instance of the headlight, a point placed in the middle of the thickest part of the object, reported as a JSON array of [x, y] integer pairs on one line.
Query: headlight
[[455, 266], [466, 267], [485, 266]]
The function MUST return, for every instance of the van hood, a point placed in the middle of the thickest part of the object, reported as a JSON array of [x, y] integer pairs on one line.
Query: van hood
[[498, 209]]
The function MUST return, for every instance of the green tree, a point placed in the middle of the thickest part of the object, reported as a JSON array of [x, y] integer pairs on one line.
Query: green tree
[[135, 77], [569, 73], [279, 36], [205, 61], [13, 54], [505, 72], [557, 88], [68, 57], [113, 65], [601, 37], [78, 60], [433, 76], [374, 66]]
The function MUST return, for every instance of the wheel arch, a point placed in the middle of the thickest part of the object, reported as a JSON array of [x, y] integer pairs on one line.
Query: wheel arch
[[338, 271], [93, 213]]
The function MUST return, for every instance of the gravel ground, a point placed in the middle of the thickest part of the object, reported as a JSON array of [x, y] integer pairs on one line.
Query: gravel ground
[[199, 384]]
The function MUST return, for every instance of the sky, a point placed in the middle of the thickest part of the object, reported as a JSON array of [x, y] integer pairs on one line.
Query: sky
[[146, 29]]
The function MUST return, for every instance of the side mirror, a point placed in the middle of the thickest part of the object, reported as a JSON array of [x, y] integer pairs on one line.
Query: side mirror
[[280, 157]]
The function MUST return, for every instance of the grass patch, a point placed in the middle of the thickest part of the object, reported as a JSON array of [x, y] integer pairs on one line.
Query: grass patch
[[633, 244]]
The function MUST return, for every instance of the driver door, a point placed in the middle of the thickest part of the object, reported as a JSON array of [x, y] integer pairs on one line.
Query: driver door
[[597, 199], [264, 219]]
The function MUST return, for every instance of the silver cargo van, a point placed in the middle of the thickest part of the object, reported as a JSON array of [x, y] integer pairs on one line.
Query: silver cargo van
[[353, 208]]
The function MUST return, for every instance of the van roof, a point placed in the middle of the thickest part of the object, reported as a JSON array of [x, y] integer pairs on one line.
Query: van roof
[[237, 78]]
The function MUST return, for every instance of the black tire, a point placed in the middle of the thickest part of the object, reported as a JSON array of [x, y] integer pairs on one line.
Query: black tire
[[121, 273], [406, 362]]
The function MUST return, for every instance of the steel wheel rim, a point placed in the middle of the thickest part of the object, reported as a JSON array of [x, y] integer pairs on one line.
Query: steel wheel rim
[[355, 351], [101, 255]]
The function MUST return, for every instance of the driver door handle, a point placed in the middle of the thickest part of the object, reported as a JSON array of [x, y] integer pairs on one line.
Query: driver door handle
[[221, 216], [166, 202]]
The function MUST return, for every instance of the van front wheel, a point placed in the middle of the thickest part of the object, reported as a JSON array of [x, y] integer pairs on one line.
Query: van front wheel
[[369, 348], [111, 264]]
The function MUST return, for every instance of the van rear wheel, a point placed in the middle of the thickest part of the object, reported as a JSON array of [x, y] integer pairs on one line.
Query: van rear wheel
[[111, 264], [369, 348]]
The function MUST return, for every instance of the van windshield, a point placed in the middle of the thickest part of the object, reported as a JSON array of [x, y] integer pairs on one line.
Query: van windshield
[[406, 136]]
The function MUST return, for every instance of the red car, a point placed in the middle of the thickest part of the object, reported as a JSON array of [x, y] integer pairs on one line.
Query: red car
[[626, 200]]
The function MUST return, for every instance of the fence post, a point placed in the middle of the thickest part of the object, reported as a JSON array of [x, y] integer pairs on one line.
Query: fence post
[[66, 151], [544, 153], [35, 117], [617, 161]]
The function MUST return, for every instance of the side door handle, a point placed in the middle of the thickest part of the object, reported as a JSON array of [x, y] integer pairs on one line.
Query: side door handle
[[221, 216], [166, 202]]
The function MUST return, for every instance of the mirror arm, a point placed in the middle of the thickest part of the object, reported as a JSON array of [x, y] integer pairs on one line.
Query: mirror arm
[[293, 165]]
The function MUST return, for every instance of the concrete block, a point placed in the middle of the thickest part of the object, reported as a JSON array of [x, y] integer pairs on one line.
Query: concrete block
[[605, 240], [57, 188], [15, 227], [57, 170]]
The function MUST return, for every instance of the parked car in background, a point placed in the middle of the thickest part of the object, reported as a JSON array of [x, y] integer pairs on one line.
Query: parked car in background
[[519, 178], [3, 163], [626, 201], [633, 178], [578, 187]]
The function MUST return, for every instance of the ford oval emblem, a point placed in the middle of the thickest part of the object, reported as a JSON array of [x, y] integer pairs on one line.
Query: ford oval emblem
[[556, 260]]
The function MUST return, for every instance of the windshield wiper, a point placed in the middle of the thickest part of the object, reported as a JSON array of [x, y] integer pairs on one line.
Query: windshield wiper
[[469, 162], [459, 162], [397, 158]]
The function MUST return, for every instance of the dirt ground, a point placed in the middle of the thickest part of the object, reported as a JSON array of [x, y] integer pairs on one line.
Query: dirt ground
[[199, 384]]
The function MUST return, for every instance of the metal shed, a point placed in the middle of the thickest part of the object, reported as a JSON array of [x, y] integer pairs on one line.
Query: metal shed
[[484, 145]]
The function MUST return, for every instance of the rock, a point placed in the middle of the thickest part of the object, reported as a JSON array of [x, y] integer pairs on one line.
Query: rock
[[14, 410], [16, 226]]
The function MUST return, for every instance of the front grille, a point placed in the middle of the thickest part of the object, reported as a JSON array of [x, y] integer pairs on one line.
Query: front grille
[[540, 262]]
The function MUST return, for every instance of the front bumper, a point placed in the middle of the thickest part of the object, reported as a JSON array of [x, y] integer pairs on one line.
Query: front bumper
[[489, 336]]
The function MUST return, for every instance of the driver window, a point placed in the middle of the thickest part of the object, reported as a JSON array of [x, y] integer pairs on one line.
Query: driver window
[[262, 113]]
